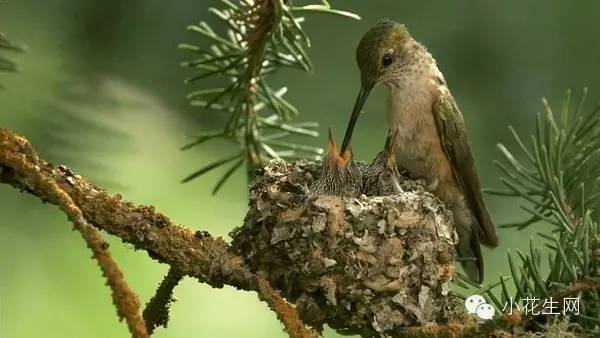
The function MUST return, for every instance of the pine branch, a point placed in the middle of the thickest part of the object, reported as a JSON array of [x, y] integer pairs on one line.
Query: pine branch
[[27, 167], [6, 64], [286, 313], [261, 37], [558, 181], [202, 257], [90, 207], [197, 254], [156, 312]]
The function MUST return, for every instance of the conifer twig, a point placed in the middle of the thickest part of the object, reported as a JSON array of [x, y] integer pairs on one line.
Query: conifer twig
[[188, 252], [558, 179], [259, 38], [6, 64], [285, 312], [125, 300], [156, 312]]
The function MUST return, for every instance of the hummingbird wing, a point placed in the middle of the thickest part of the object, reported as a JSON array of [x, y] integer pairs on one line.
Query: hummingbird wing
[[452, 131]]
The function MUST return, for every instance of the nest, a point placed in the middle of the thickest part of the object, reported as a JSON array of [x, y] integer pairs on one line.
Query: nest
[[371, 265]]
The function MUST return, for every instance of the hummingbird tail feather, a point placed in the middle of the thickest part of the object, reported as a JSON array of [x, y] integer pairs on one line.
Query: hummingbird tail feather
[[487, 231], [469, 250]]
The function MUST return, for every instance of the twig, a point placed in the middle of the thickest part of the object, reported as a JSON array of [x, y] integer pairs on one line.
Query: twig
[[286, 313], [124, 298], [589, 284], [192, 253], [156, 312]]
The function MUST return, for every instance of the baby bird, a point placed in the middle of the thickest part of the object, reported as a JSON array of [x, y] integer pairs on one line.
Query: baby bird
[[340, 176], [381, 177]]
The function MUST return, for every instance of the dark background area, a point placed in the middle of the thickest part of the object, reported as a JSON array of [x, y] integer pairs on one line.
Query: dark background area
[[101, 90]]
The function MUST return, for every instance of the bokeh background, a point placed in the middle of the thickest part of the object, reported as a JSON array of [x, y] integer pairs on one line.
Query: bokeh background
[[101, 91]]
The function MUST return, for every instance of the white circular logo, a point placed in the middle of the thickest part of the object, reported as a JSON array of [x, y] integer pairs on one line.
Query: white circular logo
[[476, 305], [485, 311], [472, 302]]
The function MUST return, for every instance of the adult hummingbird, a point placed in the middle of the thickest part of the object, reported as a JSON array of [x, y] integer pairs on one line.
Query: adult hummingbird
[[431, 139]]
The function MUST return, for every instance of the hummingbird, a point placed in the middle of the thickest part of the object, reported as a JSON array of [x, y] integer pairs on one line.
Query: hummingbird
[[340, 176], [431, 139], [382, 177]]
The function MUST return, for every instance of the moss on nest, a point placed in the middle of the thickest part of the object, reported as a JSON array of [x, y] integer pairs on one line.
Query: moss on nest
[[370, 265]]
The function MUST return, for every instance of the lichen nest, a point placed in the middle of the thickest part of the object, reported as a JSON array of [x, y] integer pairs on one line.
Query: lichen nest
[[372, 265]]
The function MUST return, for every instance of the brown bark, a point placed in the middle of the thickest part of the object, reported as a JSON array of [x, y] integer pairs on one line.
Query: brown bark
[[192, 253], [321, 253]]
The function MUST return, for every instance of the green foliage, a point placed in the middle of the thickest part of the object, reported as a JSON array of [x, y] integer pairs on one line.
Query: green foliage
[[6, 64], [559, 181], [260, 37]]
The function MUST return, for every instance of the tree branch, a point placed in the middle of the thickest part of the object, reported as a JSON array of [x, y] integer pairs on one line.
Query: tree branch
[[192, 253], [125, 300], [188, 252], [156, 312], [286, 313]]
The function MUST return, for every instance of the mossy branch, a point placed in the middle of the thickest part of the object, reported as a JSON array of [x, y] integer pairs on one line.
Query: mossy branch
[[156, 312], [191, 253], [26, 166]]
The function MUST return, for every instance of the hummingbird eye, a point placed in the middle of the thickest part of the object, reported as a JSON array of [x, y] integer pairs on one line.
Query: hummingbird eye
[[387, 60]]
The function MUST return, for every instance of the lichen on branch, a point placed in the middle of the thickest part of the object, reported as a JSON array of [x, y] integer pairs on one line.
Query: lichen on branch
[[192, 253], [336, 260], [24, 166]]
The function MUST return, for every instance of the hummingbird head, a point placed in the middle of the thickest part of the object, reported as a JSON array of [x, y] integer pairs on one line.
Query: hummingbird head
[[381, 53]]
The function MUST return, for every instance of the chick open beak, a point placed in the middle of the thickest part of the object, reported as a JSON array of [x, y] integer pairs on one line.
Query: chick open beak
[[337, 159]]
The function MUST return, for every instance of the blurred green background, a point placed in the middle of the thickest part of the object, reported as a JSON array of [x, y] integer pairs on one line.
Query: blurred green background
[[101, 91]]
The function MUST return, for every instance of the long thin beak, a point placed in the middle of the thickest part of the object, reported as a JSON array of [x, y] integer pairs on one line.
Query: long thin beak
[[360, 101]]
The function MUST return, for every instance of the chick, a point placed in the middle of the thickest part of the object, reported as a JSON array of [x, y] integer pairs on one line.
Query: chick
[[381, 177], [340, 176]]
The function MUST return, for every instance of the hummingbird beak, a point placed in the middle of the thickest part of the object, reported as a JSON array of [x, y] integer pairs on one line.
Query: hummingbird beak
[[360, 102]]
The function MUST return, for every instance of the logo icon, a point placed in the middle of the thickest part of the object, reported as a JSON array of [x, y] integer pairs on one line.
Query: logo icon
[[476, 305]]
